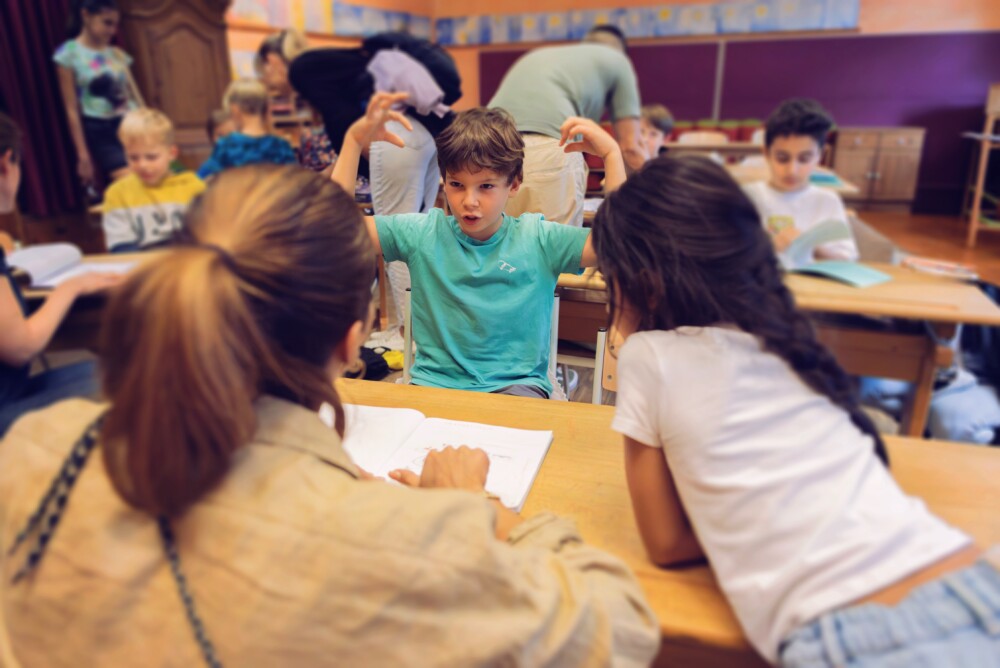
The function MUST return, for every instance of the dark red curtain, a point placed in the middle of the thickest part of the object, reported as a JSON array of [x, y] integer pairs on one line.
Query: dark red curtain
[[30, 32]]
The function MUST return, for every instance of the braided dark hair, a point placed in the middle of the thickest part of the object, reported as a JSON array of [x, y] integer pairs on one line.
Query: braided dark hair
[[683, 245]]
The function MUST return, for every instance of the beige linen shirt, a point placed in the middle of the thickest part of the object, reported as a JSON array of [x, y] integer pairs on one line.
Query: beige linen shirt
[[293, 562]]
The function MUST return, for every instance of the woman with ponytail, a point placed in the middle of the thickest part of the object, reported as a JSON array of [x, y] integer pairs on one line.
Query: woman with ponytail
[[745, 445], [221, 522]]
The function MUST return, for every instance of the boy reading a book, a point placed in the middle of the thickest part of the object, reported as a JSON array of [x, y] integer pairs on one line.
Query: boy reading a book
[[788, 203], [23, 337], [252, 142], [483, 281], [144, 208]]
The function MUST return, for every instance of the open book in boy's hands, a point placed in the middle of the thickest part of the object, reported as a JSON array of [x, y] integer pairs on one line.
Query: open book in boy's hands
[[380, 440], [48, 265], [798, 257], [800, 251]]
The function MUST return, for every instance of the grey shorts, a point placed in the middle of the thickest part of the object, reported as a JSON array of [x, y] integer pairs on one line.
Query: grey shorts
[[530, 391]]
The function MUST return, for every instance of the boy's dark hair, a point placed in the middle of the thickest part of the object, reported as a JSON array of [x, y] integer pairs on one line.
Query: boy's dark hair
[[10, 137], [482, 138], [659, 117], [613, 30], [798, 116]]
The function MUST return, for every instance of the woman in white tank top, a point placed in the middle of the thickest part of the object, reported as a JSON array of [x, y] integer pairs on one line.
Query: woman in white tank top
[[745, 445]]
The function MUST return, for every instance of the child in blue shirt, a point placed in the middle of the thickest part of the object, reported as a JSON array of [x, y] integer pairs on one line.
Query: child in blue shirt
[[246, 101], [483, 282]]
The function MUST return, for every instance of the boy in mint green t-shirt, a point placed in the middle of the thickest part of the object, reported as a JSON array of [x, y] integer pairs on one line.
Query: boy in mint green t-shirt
[[483, 282]]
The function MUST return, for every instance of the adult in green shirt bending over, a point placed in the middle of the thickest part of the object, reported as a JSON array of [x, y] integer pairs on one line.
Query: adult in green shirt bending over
[[483, 281], [548, 85]]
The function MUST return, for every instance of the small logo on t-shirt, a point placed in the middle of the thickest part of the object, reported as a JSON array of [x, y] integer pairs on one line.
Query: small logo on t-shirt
[[509, 268], [777, 223]]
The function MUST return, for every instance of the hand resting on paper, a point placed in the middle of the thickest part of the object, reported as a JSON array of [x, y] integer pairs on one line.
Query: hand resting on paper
[[90, 283], [459, 468], [451, 468]]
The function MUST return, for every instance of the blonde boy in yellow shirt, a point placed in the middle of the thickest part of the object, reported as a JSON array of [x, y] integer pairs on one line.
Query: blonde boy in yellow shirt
[[146, 207]]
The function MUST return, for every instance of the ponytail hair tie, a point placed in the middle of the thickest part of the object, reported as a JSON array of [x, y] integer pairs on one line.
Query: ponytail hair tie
[[228, 260]]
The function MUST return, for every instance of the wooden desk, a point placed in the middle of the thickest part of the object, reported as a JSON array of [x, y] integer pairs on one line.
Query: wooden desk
[[583, 478], [726, 148], [934, 305]]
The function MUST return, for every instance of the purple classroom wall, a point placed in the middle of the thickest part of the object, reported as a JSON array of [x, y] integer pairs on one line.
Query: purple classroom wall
[[937, 82]]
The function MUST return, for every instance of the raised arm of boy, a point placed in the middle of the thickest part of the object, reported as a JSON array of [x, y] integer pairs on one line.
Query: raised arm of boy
[[365, 130], [582, 135]]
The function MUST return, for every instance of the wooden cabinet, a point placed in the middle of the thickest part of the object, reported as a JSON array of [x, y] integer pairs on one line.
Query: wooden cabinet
[[181, 63], [882, 162]]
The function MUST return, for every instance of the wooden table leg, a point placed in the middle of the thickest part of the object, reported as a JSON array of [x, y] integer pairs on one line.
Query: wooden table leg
[[913, 357]]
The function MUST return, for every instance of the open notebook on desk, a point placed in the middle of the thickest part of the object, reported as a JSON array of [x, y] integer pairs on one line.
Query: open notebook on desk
[[380, 440], [48, 265]]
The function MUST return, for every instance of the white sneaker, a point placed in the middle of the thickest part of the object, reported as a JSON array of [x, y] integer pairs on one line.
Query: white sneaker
[[574, 380]]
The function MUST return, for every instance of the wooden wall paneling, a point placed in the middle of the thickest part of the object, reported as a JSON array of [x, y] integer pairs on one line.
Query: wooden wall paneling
[[181, 63]]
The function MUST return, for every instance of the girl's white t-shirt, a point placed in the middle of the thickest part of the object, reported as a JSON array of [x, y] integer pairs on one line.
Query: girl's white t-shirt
[[794, 511]]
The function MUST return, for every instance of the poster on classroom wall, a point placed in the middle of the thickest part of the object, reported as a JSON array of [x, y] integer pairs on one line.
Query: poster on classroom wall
[[710, 18], [315, 16], [327, 17]]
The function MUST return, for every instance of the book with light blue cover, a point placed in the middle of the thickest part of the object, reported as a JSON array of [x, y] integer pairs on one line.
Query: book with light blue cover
[[828, 179], [851, 273]]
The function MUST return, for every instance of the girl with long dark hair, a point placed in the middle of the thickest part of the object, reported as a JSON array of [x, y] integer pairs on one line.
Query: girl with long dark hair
[[745, 445]]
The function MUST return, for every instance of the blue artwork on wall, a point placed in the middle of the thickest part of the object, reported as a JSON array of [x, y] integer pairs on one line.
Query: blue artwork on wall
[[420, 26], [347, 19], [666, 20], [732, 16]]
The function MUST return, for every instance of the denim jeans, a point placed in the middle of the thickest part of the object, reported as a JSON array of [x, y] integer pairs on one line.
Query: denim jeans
[[403, 180], [963, 411], [952, 621]]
